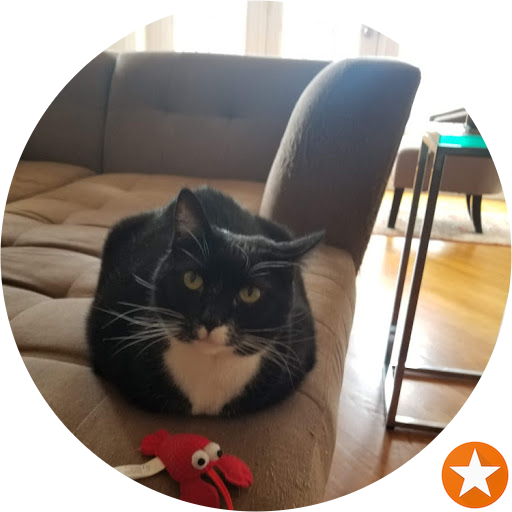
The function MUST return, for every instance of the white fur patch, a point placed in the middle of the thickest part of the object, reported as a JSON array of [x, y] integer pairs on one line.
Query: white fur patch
[[208, 372]]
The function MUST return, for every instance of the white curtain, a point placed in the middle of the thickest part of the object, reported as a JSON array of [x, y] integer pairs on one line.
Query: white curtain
[[271, 28], [157, 36]]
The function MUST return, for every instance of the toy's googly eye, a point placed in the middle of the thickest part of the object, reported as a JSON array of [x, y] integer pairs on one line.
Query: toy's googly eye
[[213, 450], [200, 459]]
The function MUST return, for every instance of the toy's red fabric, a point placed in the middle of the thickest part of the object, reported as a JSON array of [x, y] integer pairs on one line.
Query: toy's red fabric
[[189, 456]]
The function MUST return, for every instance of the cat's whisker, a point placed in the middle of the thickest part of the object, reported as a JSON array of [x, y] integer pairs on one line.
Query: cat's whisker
[[190, 255], [206, 248], [128, 342], [125, 316], [138, 341], [143, 282], [283, 327], [273, 345], [246, 256], [201, 247], [276, 357], [149, 345], [161, 331], [154, 309], [142, 332], [280, 362]]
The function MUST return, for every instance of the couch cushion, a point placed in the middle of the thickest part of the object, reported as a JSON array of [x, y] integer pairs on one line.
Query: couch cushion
[[31, 178], [216, 116], [49, 273], [77, 216]]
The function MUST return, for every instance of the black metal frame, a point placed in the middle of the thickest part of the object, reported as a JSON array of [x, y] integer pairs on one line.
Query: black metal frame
[[394, 373]]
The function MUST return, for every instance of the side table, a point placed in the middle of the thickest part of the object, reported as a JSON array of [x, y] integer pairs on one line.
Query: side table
[[442, 140]]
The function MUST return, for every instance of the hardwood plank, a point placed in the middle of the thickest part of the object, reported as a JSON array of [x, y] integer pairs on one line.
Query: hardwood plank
[[460, 309]]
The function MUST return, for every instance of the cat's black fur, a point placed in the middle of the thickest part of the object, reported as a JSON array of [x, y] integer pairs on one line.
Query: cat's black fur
[[141, 286]]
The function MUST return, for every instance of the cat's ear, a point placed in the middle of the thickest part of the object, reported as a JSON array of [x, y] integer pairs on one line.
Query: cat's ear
[[189, 217], [299, 247]]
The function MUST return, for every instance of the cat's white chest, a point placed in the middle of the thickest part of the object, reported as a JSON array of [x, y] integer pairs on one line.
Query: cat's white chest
[[209, 381]]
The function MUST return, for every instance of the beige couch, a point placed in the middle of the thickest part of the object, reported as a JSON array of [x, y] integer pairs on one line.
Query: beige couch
[[125, 135]]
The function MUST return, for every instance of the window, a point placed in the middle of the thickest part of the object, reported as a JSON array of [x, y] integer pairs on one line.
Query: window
[[216, 27], [316, 29], [325, 33], [435, 94]]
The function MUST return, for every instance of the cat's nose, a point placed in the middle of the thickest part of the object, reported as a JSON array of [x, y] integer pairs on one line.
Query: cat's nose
[[210, 322], [210, 326]]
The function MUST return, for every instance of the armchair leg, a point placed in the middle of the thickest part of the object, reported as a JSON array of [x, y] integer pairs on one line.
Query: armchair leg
[[474, 204], [397, 198], [476, 213]]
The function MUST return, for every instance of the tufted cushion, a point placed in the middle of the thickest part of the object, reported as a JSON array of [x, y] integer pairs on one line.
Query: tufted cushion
[[193, 115], [32, 178]]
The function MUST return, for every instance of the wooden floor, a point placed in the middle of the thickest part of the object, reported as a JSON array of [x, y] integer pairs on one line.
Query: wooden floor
[[459, 314]]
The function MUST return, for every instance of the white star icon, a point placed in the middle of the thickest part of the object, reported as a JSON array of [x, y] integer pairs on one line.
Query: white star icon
[[475, 475]]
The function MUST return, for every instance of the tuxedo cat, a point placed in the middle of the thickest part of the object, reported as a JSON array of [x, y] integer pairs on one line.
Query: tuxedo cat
[[201, 309]]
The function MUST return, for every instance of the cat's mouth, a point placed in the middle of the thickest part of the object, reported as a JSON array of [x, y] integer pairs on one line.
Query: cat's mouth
[[218, 336], [214, 341]]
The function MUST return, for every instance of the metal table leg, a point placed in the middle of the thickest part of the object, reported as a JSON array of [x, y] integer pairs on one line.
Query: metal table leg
[[418, 185], [395, 375]]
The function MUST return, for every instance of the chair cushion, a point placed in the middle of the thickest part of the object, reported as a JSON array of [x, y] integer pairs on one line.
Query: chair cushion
[[461, 174], [50, 265]]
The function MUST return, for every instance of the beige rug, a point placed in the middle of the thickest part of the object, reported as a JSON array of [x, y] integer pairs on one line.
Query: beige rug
[[451, 219]]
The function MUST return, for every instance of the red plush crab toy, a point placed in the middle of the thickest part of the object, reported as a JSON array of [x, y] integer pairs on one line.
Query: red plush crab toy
[[187, 457]]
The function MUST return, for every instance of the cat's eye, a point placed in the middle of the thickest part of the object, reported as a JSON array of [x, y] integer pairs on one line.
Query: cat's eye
[[192, 280], [249, 294]]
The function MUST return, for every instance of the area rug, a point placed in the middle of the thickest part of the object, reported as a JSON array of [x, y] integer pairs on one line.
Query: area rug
[[451, 220]]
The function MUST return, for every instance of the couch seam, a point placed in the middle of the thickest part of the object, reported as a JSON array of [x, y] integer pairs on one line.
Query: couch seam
[[23, 286], [344, 289], [77, 428], [105, 118], [316, 274], [27, 309], [323, 324], [49, 245], [307, 395], [49, 355], [87, 269]]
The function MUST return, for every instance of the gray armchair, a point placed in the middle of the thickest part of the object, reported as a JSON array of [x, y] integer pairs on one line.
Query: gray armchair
[[474, 177]]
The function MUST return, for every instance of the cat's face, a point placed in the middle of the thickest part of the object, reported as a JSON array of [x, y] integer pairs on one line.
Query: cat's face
[[227, 292]]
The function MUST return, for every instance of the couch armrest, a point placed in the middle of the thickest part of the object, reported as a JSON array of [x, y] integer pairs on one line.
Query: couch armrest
[[336, 155]]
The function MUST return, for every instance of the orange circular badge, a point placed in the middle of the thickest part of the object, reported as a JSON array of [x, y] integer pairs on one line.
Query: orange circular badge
[[475, 475]]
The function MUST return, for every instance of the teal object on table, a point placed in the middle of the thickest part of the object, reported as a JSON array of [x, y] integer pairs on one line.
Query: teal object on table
[[462, 141], [454, 135]]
